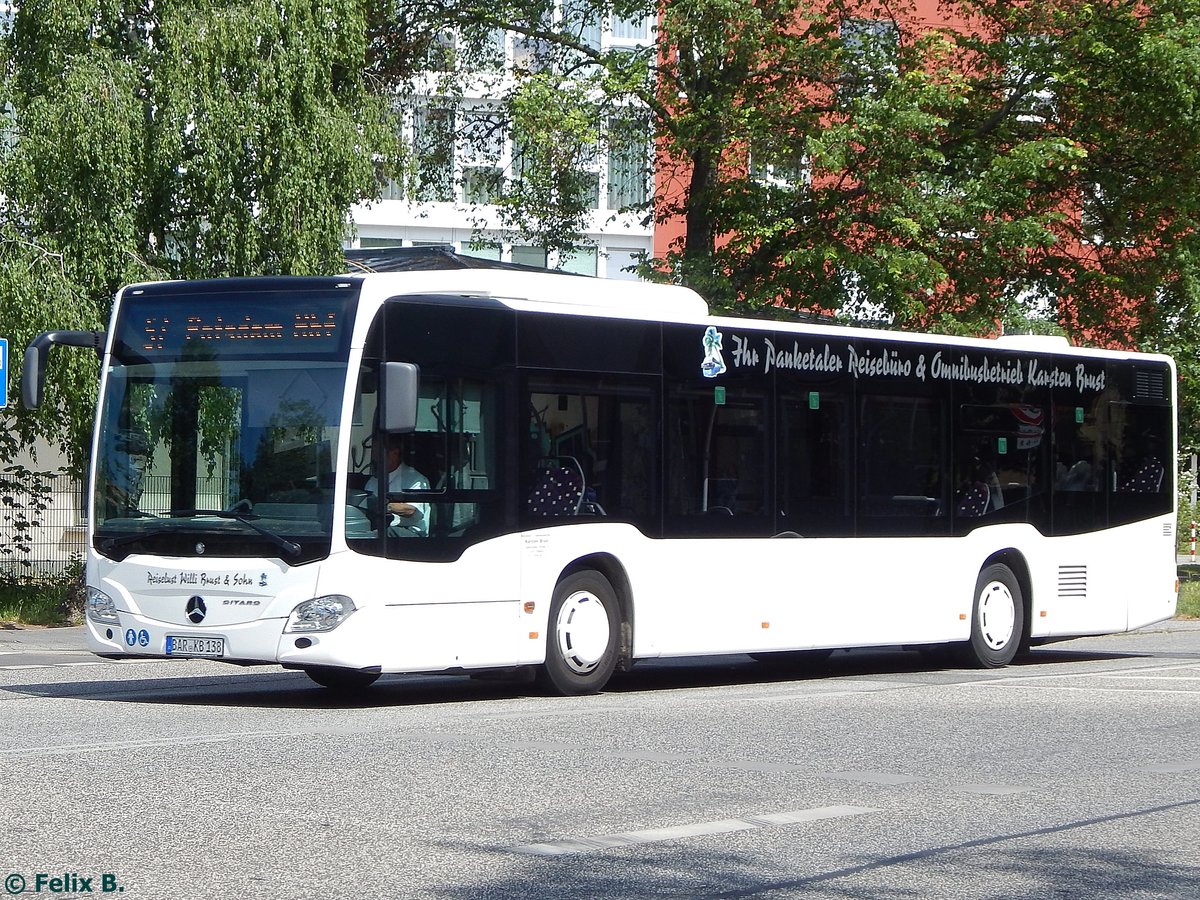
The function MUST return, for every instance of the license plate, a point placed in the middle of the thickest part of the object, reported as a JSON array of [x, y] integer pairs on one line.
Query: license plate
[[178, 645]]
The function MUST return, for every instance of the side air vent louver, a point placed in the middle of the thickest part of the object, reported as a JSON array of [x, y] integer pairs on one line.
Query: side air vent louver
[[1168, 529], [1072, 582], [1149, 385]]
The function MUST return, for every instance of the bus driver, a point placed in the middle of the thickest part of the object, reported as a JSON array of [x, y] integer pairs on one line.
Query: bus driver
[[406, 518]]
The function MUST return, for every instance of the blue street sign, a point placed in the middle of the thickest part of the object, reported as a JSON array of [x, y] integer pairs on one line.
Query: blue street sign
[[3, 372]]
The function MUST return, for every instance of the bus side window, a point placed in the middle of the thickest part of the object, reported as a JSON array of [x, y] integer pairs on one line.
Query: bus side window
[[589, 451], [901, 465], [718, 477], [1081, 465], [1141, 476], [814, 464]]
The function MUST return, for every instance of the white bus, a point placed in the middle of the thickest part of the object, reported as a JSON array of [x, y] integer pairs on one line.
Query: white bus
[[584, 473]]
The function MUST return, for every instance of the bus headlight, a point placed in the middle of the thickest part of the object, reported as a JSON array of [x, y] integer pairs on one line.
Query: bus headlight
[[320, 614], [100, 607]]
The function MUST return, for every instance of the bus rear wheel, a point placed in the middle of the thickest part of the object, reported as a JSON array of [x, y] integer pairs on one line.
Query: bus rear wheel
[[582, 635], [997, 619], [337, 679]]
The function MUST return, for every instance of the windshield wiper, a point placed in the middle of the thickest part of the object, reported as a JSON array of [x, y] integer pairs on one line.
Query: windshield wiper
[[108, 545], [291, 548]]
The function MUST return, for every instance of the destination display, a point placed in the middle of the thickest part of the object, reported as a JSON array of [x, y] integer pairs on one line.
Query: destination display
[[241, 323], [163, 331]]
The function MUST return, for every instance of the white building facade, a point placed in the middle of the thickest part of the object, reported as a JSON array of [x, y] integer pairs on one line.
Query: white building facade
[[461, 151]]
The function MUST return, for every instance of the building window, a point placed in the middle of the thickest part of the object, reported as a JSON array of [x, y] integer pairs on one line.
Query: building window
[[871, 50], [630, 29], [529, 256], [628, 162], [582, 22], [530, 54], [373, 243], [480, 150], [439, 55], [482, 49], [581, 262], [1030, 86], [780, 169], [433, 151], [1104, 216], [619, 263]]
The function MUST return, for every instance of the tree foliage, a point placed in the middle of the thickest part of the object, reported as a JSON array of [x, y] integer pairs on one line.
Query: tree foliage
[[953, 168], [172, 139]]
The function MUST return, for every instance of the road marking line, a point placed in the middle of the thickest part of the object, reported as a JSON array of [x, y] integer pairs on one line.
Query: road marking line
[[677, 832], [1092, 690], [66, 665], [999, 790], [872, 777], [1187, 765], [1107, 673], [180, 740]]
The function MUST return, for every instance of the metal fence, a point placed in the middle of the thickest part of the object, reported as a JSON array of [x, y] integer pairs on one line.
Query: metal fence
[[41, 524]]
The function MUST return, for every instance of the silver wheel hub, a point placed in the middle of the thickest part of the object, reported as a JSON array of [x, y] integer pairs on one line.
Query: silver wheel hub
[[582, 631], [997, 615]]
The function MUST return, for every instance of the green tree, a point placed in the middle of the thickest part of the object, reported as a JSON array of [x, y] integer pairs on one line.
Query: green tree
[[173, 139], [1023, 162]]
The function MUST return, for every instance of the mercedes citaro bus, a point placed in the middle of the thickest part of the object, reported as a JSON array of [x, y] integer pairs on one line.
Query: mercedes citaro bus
[[595, 472]]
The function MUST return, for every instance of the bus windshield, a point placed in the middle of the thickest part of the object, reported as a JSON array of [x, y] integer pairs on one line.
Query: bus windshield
[[218, 446]]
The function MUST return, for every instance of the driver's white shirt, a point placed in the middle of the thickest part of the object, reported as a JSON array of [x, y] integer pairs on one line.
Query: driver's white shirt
[[405, 478]]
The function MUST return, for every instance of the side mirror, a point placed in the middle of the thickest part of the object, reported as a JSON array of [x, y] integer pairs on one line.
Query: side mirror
[[398, 412], [33, 370]]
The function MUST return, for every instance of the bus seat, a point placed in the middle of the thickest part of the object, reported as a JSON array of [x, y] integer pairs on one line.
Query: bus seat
[[974, 502], [558, 488], [1147, 479]]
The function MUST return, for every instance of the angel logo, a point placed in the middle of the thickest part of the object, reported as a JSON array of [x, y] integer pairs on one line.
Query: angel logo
[[196, 610], [713, 364]]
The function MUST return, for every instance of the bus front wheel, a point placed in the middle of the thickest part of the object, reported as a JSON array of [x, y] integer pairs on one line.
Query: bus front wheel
[[997, 619], [581, 640]]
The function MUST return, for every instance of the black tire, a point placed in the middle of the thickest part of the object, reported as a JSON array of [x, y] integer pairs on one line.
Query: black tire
[[342, 680], [997, 619], [582, 635]]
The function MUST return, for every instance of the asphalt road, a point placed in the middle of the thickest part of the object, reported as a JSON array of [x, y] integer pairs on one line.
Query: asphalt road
[[1075, 773]]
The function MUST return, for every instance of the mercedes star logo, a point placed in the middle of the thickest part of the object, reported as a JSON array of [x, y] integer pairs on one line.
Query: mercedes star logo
[[196, 610]]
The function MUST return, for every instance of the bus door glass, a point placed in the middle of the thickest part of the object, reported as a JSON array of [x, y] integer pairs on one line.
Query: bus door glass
[[430, 493], [718, 462], [1000, 451], [901, 466], [1081, 465], [814, 464]]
